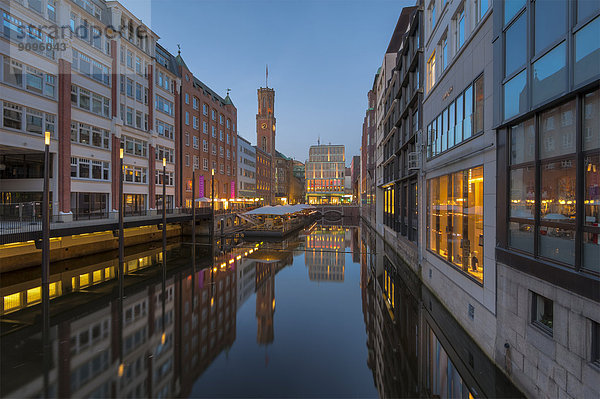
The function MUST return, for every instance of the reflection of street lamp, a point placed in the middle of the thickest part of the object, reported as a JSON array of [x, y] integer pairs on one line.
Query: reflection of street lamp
[[121, 238]]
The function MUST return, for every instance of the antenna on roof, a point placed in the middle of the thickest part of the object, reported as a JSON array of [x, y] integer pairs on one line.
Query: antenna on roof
[[319, 140], [178, 49], [267, 76], [228, 90]]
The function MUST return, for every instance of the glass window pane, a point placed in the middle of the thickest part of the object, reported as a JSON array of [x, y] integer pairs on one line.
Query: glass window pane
[[511, 7], [549, 74], [458, 209], [557, 244], [591, 121], [550, 22], [474, 225], [515, 95], [522, 142], [516, 45], [467, 124], [586, 8], [592, 190], [587, 51], [520, 236], [522, 193], [557, 131], [558, 191], [459, 119], [591, 249], [478, 112]]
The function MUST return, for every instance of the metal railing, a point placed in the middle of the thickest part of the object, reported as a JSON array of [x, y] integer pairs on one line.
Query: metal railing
[[21, 222]]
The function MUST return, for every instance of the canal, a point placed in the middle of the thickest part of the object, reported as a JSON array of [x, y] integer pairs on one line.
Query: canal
[[329, 312]]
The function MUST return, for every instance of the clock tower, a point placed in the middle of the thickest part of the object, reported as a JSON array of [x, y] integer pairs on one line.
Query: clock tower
[[265, 121]]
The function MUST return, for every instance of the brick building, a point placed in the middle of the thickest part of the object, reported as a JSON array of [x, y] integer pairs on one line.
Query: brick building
[[207, 139]]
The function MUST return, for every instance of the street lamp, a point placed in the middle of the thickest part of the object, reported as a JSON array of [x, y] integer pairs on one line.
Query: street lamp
[[164, 201], [121, 235], [46, 262]]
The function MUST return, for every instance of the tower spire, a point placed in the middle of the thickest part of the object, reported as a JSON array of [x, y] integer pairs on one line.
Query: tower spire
[[267, 76]]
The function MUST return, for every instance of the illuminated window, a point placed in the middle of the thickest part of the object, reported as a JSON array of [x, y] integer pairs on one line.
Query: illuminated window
[[12, 301], [34, 295], [455, 219]]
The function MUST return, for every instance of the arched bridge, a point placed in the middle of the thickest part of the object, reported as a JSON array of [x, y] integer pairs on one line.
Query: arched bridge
[[338, 210]]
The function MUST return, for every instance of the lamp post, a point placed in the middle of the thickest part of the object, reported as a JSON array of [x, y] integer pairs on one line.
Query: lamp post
[[46, 262], [194, 215], [212, 206], [164, 206], [120, 268]]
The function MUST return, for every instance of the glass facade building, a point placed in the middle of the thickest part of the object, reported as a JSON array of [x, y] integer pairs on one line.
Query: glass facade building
[[549, 138]]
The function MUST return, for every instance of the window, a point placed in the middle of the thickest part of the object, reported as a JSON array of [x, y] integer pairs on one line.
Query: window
[[543, 170], [455, 219], [587, 51], [138, 92], [205, 163], [196, 142], [432, 20], [187, 159], [135, 146], [129, 59], [89, 169], [515, 95], [516, 48], [220, 135], [214, 131], [204, 127], [134, 174], [431, 71], [228, 124], [187, 118], [221, 151], [164, 129], [16, 73], [196, 122], [129, 88], [204, 109], [164, 105], [187, 98], [482, 6], [214, 115], [214, 149], [444, 53], [196, 162], [550, 74], [195, 102], [129, 119], [595, 358], [511, 8], [542, 312], [82, 133], [138, 65], [89, 101], [550, 22], [479, 98], [187, 139], [220, 119], [460, 30]]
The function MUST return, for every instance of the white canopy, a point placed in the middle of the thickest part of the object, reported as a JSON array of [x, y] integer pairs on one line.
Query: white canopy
[[279, 210]]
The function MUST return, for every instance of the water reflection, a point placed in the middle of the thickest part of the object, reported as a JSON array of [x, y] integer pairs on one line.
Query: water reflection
[[185, 330]]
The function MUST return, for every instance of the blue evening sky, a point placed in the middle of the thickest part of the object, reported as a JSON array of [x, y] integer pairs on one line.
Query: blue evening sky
[[322, 57]]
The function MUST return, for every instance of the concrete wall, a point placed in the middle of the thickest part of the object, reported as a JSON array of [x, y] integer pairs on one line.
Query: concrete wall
[[556, 366]]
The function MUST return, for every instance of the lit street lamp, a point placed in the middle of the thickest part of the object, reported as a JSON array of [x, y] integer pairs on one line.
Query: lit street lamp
[[46, 262]]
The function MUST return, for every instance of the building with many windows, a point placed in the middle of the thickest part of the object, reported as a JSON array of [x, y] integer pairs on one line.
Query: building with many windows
[[325, 171], [547, 107], [97, 91], [367, 160], [247, 169], [206, 123], [399, 131], [459, 168]]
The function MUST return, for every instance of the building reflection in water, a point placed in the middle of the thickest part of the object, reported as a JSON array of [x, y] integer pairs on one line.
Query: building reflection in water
[[324, 256], [163, 350], [415, 347]]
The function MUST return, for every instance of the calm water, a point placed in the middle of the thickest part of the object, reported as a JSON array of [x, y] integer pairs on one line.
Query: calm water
[[331, 312]]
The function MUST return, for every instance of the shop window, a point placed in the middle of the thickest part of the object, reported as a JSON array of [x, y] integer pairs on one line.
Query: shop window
[[595, 358], [455, 219]]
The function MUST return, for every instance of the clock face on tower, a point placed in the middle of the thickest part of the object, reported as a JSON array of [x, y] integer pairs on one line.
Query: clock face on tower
[[264, 125]]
